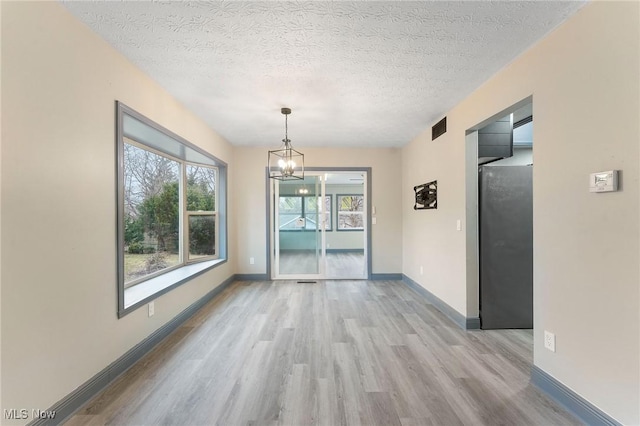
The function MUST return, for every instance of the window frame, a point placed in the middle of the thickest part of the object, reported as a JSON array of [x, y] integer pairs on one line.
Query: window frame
[[188, 213], [362, 212], [303, 213], [149, 287]]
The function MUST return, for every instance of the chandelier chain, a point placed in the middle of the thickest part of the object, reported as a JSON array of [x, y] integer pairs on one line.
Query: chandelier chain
[[286, 128]]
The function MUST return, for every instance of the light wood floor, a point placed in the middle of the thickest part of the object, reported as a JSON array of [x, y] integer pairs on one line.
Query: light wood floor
[[350, 265], [346, 265], [331, 353]]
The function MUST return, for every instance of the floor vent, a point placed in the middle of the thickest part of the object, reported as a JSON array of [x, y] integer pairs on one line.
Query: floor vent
[[307, 282], [439, 129]]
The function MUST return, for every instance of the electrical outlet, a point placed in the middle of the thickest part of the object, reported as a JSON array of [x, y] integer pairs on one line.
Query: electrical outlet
[[550, 341], [152, 308], [458, 225], [252, 261], [421, 270]]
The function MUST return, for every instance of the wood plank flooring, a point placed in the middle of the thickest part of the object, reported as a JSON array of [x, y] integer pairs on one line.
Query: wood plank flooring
[[348, 265], [330, 353]]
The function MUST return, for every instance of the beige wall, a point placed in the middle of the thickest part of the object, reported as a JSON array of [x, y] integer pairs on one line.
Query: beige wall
[[585, 86], [250, 201], [429, 237], [59, 84], [1, 137]]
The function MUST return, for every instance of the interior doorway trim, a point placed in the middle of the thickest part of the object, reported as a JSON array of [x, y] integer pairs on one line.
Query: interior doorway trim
[[269, 206], [471, 213]]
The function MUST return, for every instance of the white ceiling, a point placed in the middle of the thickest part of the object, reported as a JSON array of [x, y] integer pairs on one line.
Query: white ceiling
[[354, 73]]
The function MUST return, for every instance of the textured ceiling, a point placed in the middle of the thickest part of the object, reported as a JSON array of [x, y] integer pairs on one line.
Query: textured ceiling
[[354, 73]]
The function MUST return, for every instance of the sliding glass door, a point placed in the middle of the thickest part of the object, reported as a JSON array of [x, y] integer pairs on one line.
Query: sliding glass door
[[319, 226], [299, 220]]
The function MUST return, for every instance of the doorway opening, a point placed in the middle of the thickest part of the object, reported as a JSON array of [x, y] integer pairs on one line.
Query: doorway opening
[[500, 219], [319, 226]]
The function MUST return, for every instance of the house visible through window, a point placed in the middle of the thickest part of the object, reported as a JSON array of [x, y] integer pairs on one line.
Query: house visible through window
[[169, 213], [301, 212]]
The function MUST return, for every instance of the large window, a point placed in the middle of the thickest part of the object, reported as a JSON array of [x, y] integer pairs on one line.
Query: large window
[[170, 221], [350, 212], [151, 219], [302, 213]]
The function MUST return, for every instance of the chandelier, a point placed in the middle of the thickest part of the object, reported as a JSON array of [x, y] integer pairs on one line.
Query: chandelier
[[286, 163]]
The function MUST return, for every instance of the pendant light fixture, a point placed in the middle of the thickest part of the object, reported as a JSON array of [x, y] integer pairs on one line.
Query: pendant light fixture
[[286, 163]]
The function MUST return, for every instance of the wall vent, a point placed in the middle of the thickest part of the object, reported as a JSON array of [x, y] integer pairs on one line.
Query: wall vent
[[439, 128]]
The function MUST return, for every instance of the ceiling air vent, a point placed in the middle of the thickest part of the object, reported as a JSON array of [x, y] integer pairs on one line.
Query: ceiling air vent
[[439, 129]]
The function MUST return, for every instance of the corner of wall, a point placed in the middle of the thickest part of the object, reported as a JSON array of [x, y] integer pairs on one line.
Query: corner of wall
[[1, 192]]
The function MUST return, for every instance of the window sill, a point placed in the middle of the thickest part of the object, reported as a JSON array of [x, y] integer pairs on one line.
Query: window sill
[[146, 291], [304, 230]]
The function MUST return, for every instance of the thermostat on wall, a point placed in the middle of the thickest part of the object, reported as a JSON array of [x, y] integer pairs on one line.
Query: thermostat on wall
[[603, 181]]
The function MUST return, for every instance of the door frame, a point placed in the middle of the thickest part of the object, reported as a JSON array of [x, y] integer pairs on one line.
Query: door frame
[[472, 216], [270, 246]]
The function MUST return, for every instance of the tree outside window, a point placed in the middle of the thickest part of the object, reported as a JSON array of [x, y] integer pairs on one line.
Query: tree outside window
[[350, 212], [152, 221], [201, 196], [151, 204]]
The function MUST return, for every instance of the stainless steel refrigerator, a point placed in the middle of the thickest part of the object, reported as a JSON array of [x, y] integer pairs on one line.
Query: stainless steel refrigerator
[[506, 246]]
